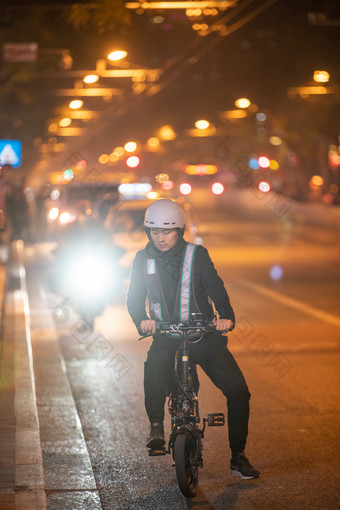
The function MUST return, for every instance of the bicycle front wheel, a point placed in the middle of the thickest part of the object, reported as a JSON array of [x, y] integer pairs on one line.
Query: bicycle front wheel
[[185, 462]]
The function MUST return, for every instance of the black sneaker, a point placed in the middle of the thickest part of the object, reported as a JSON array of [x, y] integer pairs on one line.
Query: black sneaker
[[241, 467], [156, 439]]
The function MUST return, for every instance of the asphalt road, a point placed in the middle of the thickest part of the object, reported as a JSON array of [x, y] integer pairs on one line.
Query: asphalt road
[[286, 342]]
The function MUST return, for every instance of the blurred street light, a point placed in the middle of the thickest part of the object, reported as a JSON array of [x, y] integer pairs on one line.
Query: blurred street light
[[65, 122], [167, 133], [83, 114], [185, 188], [305, 92], [187, 4], [242, 102], [202, 124], [71, 131], [321, 76], [117, 55], [130, 146], [88, 92], [233, 114], [75, 104], [132, 161], [217, 188], [91, 78]]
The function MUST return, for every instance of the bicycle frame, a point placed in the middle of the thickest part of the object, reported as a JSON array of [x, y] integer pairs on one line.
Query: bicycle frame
[[185, 442], [183, 401]]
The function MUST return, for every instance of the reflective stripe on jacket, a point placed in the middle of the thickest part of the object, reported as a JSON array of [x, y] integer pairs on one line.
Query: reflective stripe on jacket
[[185, 298]]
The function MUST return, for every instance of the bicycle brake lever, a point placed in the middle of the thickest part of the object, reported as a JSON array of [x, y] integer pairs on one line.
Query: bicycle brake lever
[[144, 336]]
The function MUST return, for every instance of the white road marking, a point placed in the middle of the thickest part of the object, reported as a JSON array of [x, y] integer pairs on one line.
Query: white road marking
[[293, 303]]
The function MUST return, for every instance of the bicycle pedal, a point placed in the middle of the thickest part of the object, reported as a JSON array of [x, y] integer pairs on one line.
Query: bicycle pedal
[[156, 453], [215, 419]]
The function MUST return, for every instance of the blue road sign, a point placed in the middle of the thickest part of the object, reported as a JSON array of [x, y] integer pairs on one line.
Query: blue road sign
[[10, 153]]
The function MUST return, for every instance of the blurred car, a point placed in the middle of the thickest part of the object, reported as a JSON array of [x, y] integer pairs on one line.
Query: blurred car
[[125, 221], [81, 198]]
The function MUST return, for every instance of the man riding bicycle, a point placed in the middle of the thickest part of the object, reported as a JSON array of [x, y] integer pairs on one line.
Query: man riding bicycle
[[177, 279]]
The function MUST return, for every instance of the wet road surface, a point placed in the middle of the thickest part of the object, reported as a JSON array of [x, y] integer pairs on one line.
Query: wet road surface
[[90, 388]]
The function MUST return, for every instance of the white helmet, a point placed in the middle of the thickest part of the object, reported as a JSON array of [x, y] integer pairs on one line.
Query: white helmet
[[164, 213]]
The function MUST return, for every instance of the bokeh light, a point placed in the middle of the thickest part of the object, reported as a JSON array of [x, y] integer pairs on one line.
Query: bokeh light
[[185, 188], [81, 164], [275, 140], [274, 165], [53, 213], [217, 188], [321, 76], [264, 162], [168, 185], [130, 146], [65, 122], [202, 124], [264, 186], [261, 117], [153, 143], [119, 151], [75, 104], [316, 182], [55, 194], [68, 174], [103, 159], [254, 164], [163, 177], [276, 272], [167, 133], [117, 55], [132, 161], [242, 102], [91, 78]]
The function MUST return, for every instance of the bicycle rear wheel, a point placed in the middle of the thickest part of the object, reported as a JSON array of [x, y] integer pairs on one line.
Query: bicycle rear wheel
[[185, 462]]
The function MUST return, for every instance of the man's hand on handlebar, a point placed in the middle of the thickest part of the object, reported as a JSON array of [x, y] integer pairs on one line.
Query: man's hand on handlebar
[[148, 326], [223, 324]]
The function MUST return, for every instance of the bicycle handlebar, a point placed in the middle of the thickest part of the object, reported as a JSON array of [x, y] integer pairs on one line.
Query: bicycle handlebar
[[165, 328]]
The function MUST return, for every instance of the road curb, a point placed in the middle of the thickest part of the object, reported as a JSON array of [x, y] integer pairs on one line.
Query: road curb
[[29, 477]]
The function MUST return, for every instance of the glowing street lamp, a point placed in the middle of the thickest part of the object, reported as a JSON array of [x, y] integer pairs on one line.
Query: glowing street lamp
[[132, 161], [202, 124], [65, 122], [185, 188], [167, 133], [130, 146], [242, 102], [75, 104], [91, 78], [153, 143], [321, 76], [117, 55], [187, 4]]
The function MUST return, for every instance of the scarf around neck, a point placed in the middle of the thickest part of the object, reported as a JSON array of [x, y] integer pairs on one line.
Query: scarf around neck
[[169, 260]]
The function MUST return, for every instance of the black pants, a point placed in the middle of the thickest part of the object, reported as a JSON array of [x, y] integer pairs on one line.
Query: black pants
[[212, 354]]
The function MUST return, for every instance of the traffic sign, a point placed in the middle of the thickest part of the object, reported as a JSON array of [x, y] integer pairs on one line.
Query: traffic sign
[[20, 52], [10, 153]]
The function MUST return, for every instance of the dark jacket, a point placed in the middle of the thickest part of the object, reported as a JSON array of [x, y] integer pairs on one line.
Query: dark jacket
[[208, 286]]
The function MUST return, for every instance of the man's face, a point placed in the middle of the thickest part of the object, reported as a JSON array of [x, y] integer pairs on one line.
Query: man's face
[[164, 238]]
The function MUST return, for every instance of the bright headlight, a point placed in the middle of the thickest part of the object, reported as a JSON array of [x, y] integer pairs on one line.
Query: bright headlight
[[91, 275]]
